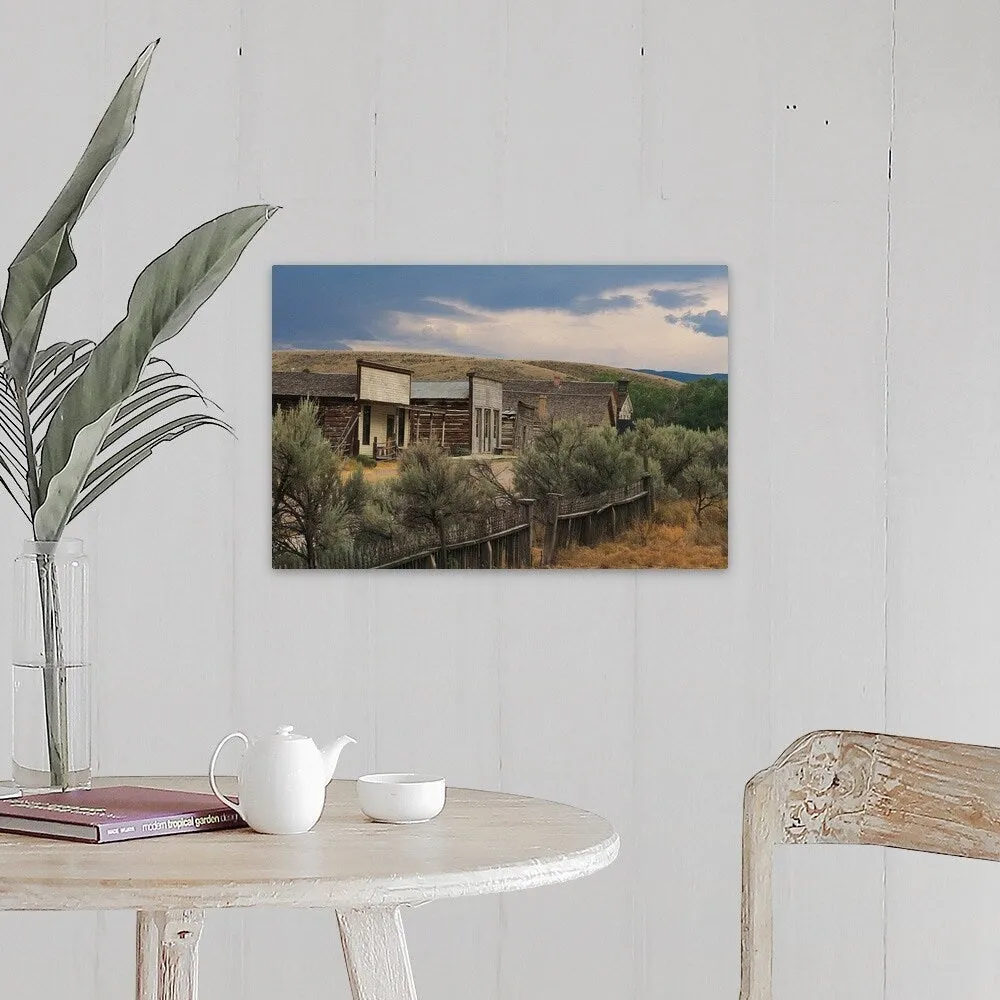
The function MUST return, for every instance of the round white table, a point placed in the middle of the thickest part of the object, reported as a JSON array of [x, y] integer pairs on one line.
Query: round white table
[[482, 842]]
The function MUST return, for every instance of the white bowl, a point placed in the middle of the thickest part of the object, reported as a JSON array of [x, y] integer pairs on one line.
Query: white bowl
[[401, 798]]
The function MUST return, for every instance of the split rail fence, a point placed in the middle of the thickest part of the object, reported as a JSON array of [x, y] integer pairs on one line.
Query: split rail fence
[[593, 519], [501, 540], [505, 539]]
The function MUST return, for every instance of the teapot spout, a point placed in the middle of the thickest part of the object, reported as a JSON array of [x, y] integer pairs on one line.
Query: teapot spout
[[331, 754]]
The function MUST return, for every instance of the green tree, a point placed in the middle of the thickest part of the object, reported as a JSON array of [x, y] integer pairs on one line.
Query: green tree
[[311, 516], [702, 405], [435, 491]]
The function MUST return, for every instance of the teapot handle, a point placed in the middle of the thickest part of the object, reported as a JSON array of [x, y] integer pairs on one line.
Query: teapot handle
[[211, 774]]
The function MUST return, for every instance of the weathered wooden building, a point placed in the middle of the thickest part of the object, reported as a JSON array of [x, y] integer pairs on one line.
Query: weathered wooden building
[[336, 399], [460, 415], [532, 403], [362, 413], [384, 402], [380, 409]]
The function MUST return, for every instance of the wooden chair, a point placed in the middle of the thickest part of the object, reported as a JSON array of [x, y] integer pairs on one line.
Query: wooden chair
[[861, 788]]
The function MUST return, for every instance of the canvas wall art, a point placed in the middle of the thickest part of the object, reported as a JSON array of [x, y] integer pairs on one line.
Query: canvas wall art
[[499, 417]]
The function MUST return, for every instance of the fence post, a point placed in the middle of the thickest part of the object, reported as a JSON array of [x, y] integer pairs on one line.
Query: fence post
[[551, 528], [529, 513], [647, 485]]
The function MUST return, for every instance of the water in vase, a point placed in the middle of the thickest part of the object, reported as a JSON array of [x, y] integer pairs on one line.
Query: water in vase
[[30, 749]]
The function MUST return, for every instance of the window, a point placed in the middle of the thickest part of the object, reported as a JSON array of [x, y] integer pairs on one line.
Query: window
[[496, 428], [366, 425], [479, 427], [402, 428], [390, 426]]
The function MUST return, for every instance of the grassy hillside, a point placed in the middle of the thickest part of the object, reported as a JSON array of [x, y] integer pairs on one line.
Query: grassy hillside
[[449, 366]]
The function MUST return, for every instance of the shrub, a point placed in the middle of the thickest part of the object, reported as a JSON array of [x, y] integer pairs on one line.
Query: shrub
[[574, 460]]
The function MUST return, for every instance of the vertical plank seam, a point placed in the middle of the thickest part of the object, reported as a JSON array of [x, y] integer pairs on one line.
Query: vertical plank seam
[[234, 646], [885, 458], [503, 197]]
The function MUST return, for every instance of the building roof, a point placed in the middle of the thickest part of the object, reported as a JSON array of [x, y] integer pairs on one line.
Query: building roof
[[592, 409], [452, 389], [592, 402], [524, 388], [317, 385]]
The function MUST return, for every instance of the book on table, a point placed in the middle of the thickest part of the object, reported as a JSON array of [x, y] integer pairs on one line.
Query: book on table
[[115, 813]]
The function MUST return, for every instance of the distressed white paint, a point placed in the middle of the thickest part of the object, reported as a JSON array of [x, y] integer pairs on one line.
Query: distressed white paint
[[536, 130], [346, 860], [378, 963]]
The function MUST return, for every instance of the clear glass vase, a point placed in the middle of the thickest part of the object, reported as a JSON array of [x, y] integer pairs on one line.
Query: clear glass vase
[[51, 667]]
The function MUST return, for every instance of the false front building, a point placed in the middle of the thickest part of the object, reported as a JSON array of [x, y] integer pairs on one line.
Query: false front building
[[364, 413], [460, 415], [383, 399]]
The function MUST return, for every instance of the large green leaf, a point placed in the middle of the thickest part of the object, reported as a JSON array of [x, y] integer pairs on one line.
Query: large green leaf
[[48, 255], [165, 296]]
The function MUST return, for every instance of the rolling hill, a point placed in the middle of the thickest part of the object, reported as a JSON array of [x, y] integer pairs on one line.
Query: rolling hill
[[450, 366]]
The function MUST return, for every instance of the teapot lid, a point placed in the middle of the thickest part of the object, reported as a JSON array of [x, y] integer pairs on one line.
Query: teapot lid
[[286, 733]]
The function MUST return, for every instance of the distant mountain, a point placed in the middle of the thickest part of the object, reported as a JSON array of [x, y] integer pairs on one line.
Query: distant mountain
[[684, 376]]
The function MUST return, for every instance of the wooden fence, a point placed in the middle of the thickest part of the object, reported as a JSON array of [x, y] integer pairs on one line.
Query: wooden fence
[[592, 519], [501, 540]]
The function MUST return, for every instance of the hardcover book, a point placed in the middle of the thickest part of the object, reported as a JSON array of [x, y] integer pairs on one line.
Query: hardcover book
[[120, 812]]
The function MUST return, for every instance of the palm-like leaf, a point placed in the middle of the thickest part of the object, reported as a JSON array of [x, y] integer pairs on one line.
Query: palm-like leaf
[[51, 378], [126, 459], [47, 257], [13, 469], [165, 296]]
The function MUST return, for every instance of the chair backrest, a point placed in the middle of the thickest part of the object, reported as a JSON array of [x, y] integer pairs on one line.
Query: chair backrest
[[835, 787]]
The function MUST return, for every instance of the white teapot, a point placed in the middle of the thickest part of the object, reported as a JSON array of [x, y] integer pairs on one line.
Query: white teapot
[[282, 780]]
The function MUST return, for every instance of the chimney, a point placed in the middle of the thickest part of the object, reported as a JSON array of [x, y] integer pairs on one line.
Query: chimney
[[622, 389], [556, 381]]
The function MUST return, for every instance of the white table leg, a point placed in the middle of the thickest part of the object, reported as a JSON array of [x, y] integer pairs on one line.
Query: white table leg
[[166, 965], [147, 953], [378, 965]]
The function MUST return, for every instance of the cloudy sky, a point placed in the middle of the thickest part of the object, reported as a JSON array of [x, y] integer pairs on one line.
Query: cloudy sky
[[630, 316]]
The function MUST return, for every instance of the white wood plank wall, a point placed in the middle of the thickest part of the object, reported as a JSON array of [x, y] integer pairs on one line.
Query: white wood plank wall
[[865, 362]]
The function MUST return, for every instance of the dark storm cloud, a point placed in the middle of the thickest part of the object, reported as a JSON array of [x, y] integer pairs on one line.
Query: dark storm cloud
[[712, 323], [317, 305]]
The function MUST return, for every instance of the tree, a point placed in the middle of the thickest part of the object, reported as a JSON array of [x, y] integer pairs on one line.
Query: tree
[[311, 516], [435, 491], [704, 486], [703, 405]]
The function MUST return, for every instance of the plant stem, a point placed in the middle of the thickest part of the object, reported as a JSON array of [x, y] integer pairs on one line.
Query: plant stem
[[54, 674], [54, 670]]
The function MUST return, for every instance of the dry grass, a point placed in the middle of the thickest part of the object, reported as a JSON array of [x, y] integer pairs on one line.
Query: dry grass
[[670, 541], [451, 366], [372, 474]]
